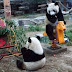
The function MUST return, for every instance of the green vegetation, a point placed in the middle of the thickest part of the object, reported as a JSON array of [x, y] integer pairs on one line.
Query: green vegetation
[[19, 32], [69, 33], [34, 28], [20, 36], [10, 23], [66, 17]]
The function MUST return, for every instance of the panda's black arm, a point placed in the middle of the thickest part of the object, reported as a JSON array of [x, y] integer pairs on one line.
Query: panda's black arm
[[60, 16], [23, 50]]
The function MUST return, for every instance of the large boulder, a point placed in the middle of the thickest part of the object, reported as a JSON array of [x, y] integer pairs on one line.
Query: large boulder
[[26, 22], [33, 21]]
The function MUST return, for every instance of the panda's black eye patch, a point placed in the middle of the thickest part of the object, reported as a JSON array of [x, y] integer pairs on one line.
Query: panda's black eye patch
[[49, 11], [54, 10], [46, 5], [29, 40]]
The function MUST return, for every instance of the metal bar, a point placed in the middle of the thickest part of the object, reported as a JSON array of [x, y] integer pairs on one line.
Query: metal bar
[[9, 53], [7, 46]]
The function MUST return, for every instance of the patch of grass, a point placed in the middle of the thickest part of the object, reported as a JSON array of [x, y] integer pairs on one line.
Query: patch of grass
[[70, 26], [66, 17], [45, 39], [35, 28], [69, 33]]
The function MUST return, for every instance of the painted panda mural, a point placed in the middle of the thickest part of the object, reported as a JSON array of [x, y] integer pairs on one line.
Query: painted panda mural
[[53, 15], [33, 55]]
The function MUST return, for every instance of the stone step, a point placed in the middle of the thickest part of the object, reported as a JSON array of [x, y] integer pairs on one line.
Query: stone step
[[1, 11], [24, 8], [1, 2], [19, 13], [25, 3]]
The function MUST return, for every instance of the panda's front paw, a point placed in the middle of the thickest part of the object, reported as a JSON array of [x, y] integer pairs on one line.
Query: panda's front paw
[[65, 22]]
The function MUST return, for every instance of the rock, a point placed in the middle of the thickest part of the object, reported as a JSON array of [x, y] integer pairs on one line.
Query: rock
[[1, 15], [19, 12], [39, 20], [25, 3], [40, 35], [28, 22], [16, 21], [33, 21], [1, 2], [24, 8], [20, 23], [1, 11], [26, 26]]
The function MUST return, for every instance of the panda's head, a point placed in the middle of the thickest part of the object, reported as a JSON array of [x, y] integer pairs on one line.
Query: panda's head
[[52, 8], [34, 44]]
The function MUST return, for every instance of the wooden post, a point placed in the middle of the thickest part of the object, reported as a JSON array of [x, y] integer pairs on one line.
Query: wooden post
[[64, 2], [7, 9], [50, 1]]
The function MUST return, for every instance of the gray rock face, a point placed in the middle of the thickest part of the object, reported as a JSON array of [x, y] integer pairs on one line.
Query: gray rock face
[[27, 22], [1, 11], [18, 12], [22, 8], [33, 21]]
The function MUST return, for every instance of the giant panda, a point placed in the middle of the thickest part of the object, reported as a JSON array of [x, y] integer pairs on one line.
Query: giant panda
[[53, 15], [33, 55]]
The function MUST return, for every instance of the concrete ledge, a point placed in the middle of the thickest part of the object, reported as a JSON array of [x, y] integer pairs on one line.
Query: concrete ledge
[[57, 50]]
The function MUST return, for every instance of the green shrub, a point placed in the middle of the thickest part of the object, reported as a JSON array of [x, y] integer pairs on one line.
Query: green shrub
[[10, 23], [35, 28], [19, 32], [69, 33], [20, 36]]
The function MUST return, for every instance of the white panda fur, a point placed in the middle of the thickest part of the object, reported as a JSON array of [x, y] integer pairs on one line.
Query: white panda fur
[[52, 7], [36, 47], [53, 15]]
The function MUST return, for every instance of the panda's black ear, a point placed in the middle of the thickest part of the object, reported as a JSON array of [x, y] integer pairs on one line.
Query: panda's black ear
[[29, 40], [56, 3], [46, 5]]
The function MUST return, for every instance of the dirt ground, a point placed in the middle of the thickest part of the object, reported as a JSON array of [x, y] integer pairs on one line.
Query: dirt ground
[[61, 62]]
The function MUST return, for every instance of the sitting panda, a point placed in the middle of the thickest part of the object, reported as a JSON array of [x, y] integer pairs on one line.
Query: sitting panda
[[33, 55], [53, 15]]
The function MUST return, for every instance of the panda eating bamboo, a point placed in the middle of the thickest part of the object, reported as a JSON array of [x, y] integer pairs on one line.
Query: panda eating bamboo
[[33, 55]]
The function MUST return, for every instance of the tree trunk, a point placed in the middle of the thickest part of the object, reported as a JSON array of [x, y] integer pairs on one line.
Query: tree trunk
[[7, 9]]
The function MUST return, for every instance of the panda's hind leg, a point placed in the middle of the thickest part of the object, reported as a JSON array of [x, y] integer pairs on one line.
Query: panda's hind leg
[[20, 65], [49, 31]]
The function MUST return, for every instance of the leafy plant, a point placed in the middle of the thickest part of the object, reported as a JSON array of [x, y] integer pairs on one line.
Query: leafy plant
[[19, 32], [20, 36], [4, 31], [35, 28], [69, 33], [10, 23]]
